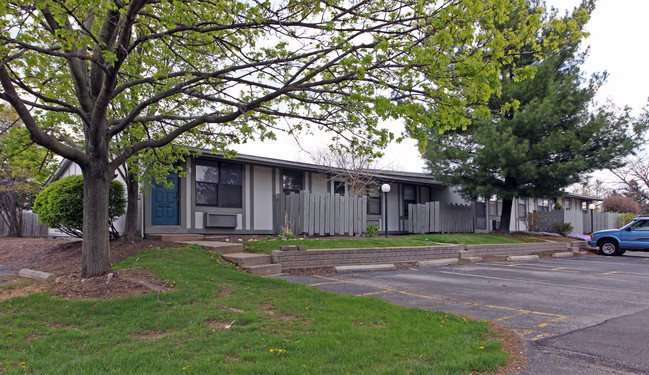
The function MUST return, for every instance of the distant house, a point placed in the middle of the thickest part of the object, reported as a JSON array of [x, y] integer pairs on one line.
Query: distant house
[[235, 196]]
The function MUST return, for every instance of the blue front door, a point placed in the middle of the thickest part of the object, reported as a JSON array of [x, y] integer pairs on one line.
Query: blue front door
[[164, 203]]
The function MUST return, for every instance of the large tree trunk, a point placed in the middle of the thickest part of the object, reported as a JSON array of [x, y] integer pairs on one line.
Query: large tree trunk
[[130, 226], [505, 217], [96, 245]]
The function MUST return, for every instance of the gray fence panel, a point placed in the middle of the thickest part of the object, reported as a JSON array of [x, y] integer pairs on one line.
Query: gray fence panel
[[580, 220], [438, 217], [320, 214], [31, 227]]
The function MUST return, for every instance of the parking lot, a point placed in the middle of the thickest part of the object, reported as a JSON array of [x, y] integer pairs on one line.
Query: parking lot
[[581, 315]]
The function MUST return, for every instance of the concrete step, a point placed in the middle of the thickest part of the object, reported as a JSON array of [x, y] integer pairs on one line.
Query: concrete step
[[242, 259], [219, 247], [265, 270], [175, 237]]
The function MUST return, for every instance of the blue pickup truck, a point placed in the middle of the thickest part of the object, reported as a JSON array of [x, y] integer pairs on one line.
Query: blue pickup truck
[[633, 236]]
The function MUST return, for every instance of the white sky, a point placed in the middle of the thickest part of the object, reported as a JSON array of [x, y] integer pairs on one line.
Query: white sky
[[618, 31]]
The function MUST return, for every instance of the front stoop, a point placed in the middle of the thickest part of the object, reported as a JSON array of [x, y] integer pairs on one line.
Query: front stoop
[[256, 264], [175, 237]]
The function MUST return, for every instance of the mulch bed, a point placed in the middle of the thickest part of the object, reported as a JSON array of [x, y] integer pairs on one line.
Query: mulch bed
[[62, 257]]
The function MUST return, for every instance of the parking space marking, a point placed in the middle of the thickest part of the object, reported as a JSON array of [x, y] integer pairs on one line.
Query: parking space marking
[[327, 283], [541, 267], [371, 293], [511, 316], [518, 312], [544, 283]]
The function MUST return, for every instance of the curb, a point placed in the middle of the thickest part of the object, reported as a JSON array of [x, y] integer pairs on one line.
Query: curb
[[523, 258], [365, 268], [563, 255], [437, 262]]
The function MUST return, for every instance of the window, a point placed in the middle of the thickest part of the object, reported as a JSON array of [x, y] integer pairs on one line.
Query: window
[[522, 208], [373, 200], [218, 184], [493, 206], [292, 181], [584, 206], [641, 225], [543, 204], [566, 204], [409, 197], [339, 187]]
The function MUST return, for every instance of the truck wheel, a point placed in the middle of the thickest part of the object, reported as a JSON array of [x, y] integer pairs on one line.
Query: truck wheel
[[609, 247]]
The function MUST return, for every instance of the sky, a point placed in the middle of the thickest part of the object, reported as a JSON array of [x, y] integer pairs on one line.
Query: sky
[[618, 30]]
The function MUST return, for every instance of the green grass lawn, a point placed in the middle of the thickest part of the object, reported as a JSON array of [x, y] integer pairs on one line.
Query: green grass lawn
[[267, 246], [277, 328]]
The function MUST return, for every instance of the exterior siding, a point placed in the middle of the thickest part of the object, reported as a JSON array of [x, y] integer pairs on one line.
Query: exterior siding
[[262, 198], [319, 183]]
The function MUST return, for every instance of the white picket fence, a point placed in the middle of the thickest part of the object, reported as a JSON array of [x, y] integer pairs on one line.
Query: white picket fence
[[438, 217]]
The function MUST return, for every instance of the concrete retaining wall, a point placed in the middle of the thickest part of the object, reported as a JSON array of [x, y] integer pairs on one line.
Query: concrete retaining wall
[[342, 257], [294, 259], [516, 248]]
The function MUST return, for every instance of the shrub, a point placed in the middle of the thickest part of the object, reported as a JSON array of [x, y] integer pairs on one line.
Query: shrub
[[618, 203], [563, 229], [558, 206], [625, 218], [60, 205], [533, 221], [371, 230]]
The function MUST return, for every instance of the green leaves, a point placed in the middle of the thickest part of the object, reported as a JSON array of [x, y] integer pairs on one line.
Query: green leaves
[[542, 134]]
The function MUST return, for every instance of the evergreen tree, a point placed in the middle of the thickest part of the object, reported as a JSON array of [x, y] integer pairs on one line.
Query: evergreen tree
[[544, 134]]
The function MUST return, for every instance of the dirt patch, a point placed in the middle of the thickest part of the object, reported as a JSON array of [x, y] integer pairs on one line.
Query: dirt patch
[[513, 345], [150, 336], [62, 257]]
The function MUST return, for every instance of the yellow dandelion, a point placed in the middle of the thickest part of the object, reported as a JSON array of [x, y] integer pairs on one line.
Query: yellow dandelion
[[482, 347]]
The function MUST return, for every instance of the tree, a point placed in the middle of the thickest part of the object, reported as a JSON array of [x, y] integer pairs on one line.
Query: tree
[[101, 81], [544, 142], [634, 178], [618, 203], [356, 170], [24, 167], [587, 187]]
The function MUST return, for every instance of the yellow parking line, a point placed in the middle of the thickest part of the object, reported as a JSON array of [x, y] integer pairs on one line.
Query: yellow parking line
[[327, 283], [557, 317], [511, 316], [545, 283], [370, 293], [636, 275]]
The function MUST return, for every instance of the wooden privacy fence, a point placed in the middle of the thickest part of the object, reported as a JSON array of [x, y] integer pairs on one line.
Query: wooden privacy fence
[[580, 220], [320, 214], [438, 217], [32, 227]]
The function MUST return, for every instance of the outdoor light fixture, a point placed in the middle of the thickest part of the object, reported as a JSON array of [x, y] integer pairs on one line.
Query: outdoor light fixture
[[592, 208], [385, 188]]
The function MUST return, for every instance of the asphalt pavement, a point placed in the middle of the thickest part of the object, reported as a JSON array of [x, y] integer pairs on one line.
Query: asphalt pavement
[[583, 315]]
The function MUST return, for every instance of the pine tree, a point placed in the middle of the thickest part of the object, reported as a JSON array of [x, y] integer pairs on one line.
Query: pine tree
[[544, 134]]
